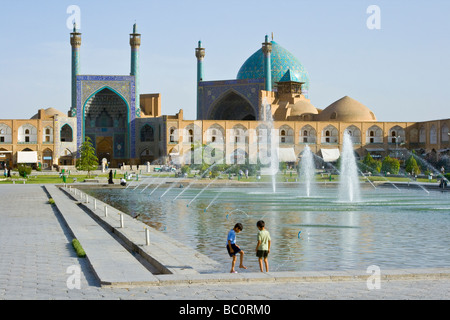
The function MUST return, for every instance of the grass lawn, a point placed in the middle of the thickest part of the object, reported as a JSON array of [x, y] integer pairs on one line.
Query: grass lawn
[[55, 179], [42, 179]]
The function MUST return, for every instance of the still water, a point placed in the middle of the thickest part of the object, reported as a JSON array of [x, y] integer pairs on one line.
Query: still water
[[388, 228]]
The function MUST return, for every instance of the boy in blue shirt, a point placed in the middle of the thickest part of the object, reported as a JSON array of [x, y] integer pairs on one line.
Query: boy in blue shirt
[[233, 248]]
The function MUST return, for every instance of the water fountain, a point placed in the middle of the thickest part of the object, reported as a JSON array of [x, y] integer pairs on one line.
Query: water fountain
[[349, 188], [307, 171], [272, 140]]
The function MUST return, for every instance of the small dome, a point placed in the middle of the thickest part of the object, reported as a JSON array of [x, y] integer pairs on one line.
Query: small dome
[[303, 107], [281, 61], [50, 112], [346, 109]]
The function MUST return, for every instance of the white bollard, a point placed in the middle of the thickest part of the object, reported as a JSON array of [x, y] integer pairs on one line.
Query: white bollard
[[106, 211], [147, 237], [87, 198], [121, 220], [95, 204]]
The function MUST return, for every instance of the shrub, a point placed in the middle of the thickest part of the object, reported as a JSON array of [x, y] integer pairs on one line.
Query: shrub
[[185, 169], [24, 170], [371, 164], [51, 201], [412, 166], [391, 165], [78, 248]]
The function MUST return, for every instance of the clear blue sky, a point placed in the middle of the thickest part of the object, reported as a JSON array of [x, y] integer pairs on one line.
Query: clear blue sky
[[401, 72]]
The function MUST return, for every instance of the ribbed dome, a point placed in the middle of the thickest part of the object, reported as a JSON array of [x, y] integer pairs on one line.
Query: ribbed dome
[[347, 109], [281, 60]]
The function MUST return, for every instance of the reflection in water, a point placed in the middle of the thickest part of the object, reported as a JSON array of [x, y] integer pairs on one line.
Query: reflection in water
[[391, 230]]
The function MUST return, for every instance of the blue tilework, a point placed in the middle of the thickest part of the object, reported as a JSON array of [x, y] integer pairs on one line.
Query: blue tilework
[[212, 91], [281, 61], [125, 86]]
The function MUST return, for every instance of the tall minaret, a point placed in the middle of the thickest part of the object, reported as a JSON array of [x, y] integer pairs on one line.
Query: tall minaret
[[267, 49], [135, 43], [200, 54], [75, 42]]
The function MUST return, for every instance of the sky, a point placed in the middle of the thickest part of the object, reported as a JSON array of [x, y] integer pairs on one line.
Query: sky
[[398, 69]]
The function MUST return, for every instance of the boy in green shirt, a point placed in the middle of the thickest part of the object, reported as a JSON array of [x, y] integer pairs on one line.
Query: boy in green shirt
[[263, 245]]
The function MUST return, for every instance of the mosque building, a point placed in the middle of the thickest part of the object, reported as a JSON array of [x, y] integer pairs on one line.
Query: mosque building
[[271, 91]]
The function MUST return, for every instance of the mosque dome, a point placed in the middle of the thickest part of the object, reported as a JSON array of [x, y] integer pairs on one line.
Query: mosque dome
[[303, 107], [281, 60], [346, 109], [49, 112]]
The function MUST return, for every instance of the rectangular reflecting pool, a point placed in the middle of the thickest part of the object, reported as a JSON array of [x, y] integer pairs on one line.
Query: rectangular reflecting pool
[[390, 228]]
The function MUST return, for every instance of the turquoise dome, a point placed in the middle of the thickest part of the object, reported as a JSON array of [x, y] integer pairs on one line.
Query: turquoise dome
[[281, 61]]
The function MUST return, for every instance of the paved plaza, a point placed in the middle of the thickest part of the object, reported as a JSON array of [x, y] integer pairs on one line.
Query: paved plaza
[[39, 262]]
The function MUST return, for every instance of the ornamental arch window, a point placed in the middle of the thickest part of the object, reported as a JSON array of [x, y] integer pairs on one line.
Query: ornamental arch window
[[48, 135], [215, 134], [66, 134], [374, 135], [354, 133], [5, 133], [27, 133], [286, 134], [422, 135], [239, 134], [173, 135], [147, 133], [396, 135], [192, 133], [444, 136], [330, 134], [433, 135], [308, 134]]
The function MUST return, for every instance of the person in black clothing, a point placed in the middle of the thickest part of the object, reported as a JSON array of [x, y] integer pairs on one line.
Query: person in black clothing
[[110, 180]]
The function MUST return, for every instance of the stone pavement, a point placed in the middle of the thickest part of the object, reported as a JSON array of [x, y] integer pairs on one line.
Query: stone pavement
[[109, 259], [37, 261]]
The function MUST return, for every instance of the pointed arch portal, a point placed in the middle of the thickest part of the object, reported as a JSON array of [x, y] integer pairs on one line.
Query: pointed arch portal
[[232, 106], [106, 110], [106, 123]]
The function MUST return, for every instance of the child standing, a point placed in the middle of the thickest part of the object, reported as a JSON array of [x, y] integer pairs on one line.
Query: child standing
[[233, 248], [263, 245]]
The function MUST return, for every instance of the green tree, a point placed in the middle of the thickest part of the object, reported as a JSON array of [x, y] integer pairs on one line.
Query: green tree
[[88, 160], [371, 164], [391, 165], [411, 165]]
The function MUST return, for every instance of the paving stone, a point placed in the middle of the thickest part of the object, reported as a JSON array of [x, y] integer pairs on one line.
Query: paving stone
[[35, 252]]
